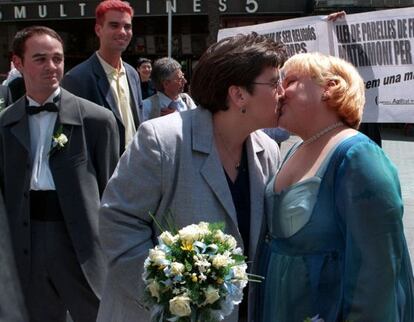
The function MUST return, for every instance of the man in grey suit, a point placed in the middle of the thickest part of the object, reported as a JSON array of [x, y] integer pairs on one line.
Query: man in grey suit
[[206, 164], [12, 308], [104, 78], [57, 152], [169, 81]]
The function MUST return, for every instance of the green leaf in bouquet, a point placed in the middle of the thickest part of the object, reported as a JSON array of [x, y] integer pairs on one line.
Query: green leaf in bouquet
[[169, 220], [238, 258], [188, 266], [216, 226]]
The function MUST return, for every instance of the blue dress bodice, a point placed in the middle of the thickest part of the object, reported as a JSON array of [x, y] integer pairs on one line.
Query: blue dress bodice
[[335, 244]]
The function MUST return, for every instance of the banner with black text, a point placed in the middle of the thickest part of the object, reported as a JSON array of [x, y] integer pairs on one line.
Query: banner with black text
[[379, 43]]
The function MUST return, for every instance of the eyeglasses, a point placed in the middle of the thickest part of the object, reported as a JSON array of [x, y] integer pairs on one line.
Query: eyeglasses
[[273, 84], [178, 78]]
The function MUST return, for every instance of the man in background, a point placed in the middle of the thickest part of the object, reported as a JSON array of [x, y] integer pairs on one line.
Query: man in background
[[104, 78], [144, 69], [169, 81]]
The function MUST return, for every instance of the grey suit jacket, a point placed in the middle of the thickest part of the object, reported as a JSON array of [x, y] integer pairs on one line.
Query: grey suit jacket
[[12, 308], [172, 164], [80, 172], [88, 80]]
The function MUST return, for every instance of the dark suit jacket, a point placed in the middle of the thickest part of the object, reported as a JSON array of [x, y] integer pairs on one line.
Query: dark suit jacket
[[80, 171], [88, 80], [5, 97], [17, 88], [11, 299]]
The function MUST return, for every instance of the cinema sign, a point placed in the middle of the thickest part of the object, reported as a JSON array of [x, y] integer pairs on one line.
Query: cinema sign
[[52, 10]]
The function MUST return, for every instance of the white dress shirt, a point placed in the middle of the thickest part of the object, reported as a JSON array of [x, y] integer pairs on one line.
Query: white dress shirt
[[41, 128]]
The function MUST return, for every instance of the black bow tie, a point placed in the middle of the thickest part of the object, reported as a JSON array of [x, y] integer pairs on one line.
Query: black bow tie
[[48, 107]]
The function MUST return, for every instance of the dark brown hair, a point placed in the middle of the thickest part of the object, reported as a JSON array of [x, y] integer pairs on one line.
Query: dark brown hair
[[237, 60], [19, 41]]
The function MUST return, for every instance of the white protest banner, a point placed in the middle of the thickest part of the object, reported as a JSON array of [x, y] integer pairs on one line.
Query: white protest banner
[[299, 35], [379, 43]]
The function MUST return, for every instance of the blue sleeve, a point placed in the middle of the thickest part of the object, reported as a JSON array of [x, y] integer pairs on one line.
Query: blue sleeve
[[368, 201]]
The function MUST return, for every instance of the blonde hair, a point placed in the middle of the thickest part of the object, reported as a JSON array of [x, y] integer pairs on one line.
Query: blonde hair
[[347, 95]]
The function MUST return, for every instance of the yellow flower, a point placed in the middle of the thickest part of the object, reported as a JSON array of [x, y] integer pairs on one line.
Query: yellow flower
[[187, 246], [194, 277]]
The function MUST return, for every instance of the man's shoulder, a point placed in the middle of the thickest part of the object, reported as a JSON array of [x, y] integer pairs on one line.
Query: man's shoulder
[[83, 68], [131, 72], [11, 113], [150, 100], [89, 109], [130, 68], [187, 99]]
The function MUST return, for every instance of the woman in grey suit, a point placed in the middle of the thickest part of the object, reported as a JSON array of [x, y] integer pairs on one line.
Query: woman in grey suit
[[208, 164]]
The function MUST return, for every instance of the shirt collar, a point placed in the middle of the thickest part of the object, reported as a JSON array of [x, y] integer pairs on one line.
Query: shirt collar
[[165, 100], [109, 70], [50, 99]]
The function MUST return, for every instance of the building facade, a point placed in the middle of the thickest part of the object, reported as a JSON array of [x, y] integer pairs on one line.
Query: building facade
[[195, 23]]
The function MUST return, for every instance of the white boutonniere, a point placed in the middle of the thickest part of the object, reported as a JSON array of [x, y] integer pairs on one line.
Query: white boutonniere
[[59, 139]]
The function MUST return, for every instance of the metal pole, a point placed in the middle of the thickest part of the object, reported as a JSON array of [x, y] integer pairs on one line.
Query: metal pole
[[169, 27]]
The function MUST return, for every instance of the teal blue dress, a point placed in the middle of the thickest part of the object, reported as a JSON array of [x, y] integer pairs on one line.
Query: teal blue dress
[[335, 246]]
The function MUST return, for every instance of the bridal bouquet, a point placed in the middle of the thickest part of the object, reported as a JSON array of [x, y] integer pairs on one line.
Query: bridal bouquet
[[196, 274]]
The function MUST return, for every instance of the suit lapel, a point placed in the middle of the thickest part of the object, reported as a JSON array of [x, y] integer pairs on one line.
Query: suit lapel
[[133, 90], [19, 124], [105, 87], [212, 170], [257, 186], [69, 115]]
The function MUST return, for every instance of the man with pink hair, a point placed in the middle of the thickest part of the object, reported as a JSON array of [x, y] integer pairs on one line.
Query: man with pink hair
[[104, 78]]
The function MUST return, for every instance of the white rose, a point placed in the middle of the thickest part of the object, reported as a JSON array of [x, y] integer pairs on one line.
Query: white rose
[[231, 241], [177, 268], [180, 306], [204, 228], [167, 238], [190, 233], [154, 289], [221, 260], [157, 256], [220, 236], [239, 272], [61, 140], [211, 294]]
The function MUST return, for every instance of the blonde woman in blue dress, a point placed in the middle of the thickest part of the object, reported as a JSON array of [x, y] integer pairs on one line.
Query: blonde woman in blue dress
[[335, 243]]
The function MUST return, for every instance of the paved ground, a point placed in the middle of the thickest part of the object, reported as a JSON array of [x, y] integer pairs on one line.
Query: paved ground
[[399, 146]]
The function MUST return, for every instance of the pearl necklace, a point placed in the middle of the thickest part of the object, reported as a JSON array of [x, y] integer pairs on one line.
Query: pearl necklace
[[315, 137]]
